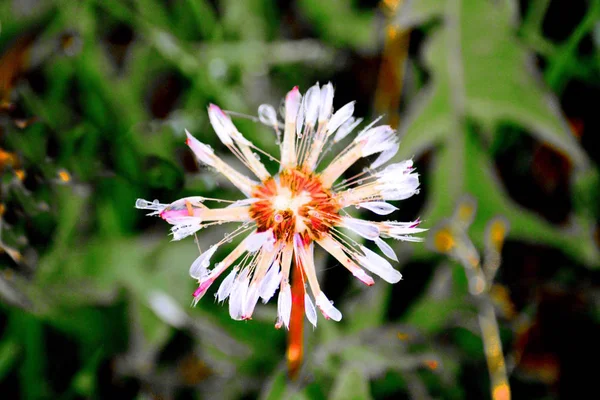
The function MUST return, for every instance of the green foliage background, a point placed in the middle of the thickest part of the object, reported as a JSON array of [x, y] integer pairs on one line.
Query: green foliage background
[[98, 304]]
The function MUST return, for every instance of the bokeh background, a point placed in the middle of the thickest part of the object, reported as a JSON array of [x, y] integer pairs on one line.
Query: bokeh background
[[496, 101]]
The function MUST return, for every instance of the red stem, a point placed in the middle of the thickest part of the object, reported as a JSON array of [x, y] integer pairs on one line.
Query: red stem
[[295, 350]]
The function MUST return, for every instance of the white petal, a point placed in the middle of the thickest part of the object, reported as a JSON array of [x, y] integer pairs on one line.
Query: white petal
[[312, 101], [202, 151], [226, 286], [199, 268], [385, 156], [238, 295], [186, 228], [293, 101], [270, 282], [250, 301], [328, 310], [378, 207], [326, 102], [284, 305], [256, 240], [378, 139], [346, 128], [401, 189], [363, 228], [379, 266], [340, 117], [386, 249], [216, 117], [393, 171], [309, 308]]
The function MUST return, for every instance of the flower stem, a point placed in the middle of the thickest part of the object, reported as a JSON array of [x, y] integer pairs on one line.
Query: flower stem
[[295, 350]]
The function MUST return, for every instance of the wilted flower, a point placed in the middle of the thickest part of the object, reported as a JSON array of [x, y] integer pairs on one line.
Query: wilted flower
[[283, 216]]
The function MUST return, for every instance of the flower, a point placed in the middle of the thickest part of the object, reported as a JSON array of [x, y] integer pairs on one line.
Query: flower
[[283, 216]]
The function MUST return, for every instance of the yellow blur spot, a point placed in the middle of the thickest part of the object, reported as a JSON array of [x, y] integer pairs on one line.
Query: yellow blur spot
[[498, 232], [501, 392], [403, 336], [391, 4], [465, 211], [64, 176], [20, 174], [444, 240], [7, 158], [432, 364], [392, 32], [2, 209]]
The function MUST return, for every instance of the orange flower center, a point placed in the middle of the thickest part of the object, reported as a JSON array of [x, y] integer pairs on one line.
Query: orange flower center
[[298, 203]]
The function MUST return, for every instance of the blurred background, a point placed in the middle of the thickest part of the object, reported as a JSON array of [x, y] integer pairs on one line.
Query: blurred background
[[496, 101]]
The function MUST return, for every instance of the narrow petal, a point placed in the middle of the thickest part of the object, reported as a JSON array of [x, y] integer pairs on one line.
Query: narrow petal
[[288, 147], [327, 309], [311, 105], [326, 102], [270, 282], [346, 128], [340, 117], [205, 154], [238, 295], [379, 266], [378, 207], [311, 312], [284, 305], [226, 286], [250, 301], [385, 156], [366, 229], [386, 249]]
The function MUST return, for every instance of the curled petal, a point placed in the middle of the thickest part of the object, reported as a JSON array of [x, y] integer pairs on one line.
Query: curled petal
[[327, 308], [199, 268]]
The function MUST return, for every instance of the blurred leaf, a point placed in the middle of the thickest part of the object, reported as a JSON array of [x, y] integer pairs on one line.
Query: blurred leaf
[[478, 82], [350, 384]]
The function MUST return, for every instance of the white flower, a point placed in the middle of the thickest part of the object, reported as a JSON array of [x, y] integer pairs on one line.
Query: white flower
[[283, 216]]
